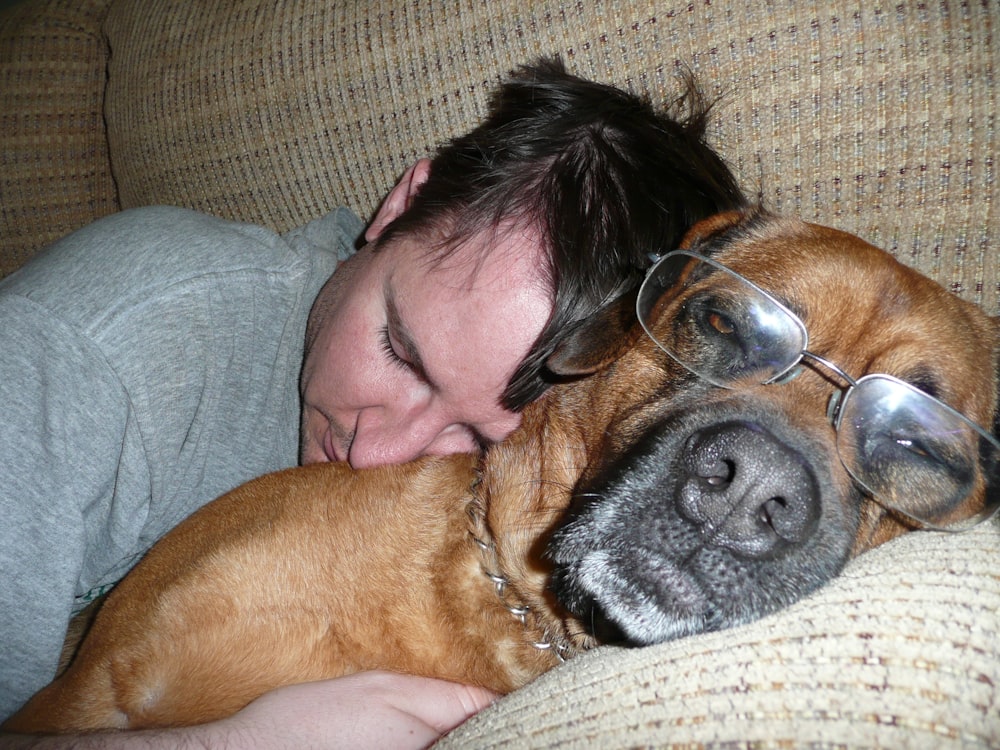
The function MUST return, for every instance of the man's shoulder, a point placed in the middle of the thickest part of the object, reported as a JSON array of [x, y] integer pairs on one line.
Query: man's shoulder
[[338, 231], [149, 256], [158, 246]]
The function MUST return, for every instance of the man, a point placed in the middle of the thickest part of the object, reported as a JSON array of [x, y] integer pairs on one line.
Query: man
[[149, 361]]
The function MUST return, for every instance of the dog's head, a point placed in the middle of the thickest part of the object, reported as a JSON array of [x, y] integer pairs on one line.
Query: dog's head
[[712, 498]]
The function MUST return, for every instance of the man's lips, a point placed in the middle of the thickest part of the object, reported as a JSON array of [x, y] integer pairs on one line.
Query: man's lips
[[329, 448]]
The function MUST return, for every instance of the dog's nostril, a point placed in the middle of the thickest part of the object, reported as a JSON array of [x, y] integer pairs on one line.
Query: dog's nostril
[[787, 517], [771, 512], [720, 474]]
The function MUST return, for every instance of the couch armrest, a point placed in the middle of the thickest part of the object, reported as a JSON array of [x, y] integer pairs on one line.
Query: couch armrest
[[54, 170]]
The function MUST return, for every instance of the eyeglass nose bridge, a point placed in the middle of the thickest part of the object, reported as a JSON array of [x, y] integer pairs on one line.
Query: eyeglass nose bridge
[[839, 396], [828, 365]]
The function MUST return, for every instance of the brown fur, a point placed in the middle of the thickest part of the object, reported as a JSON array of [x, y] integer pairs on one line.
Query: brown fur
[[322, 571]]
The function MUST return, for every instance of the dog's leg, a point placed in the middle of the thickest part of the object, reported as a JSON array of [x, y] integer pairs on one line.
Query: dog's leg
[[275, 583]]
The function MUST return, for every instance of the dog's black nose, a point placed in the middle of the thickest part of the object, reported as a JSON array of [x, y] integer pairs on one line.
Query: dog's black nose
[[747, 490]]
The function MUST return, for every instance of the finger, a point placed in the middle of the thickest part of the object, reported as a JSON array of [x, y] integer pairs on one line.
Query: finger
[[458, 703], [439, 704]]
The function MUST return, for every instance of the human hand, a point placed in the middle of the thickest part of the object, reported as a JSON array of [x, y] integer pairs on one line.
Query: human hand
[[364, 710], [369, 709]]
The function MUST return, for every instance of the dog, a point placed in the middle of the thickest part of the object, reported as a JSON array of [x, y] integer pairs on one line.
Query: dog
[[692, 470]]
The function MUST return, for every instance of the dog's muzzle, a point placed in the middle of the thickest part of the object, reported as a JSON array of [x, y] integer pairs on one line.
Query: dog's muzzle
[[708, 522]]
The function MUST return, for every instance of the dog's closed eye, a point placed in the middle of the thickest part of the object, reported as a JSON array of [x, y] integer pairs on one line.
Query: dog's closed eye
[[925, 381]]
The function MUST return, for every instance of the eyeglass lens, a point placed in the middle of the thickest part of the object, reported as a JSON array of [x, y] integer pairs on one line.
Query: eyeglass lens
[[717, 324], [913, 453]]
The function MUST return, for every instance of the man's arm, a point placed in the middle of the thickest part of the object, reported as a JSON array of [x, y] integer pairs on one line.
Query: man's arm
[[370, 709], [63, 444]]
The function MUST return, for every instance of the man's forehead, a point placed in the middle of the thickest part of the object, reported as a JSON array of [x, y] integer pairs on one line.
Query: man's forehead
[[498, 315], [509, 255], [474, 317]]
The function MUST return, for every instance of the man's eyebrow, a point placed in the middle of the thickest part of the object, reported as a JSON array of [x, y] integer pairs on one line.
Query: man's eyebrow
[[401, 334]]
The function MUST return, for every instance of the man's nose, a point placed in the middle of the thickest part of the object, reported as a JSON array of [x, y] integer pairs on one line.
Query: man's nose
[[381, 438]]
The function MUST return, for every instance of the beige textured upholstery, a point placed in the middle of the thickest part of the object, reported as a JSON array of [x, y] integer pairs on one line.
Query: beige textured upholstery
[[900, 651], [55, 174], [875, 117]]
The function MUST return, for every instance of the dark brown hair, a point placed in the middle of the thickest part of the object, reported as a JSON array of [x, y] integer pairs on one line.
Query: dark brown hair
[[606, 177]]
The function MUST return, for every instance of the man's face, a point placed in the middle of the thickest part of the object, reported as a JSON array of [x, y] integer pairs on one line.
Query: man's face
[[413, 357]]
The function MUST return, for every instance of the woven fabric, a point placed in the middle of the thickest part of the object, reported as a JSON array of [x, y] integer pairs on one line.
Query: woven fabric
[[875, 117], [54, 170], [899, 651]]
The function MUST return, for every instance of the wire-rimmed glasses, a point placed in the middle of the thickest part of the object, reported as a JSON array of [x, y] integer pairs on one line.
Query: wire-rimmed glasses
[[908, 450]]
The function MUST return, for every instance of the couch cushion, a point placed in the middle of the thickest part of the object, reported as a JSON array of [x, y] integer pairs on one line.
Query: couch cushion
[[877, 118], [899, 651], [54, 170]]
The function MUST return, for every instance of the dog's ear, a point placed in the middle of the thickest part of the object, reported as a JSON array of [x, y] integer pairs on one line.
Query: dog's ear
[[598, 340], [605, 336], [713, 226], [711, 234], [990, 468]]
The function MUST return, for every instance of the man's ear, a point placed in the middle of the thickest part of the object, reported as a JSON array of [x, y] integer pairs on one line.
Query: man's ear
[[399, 198], [597, 341]]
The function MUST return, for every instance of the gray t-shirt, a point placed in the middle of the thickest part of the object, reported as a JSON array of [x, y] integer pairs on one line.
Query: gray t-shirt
[[148, 363]]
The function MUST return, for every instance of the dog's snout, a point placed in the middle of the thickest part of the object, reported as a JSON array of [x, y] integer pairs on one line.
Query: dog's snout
[[747, 490]]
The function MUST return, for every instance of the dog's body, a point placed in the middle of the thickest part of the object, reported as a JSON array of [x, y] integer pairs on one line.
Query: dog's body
[[445, 567]]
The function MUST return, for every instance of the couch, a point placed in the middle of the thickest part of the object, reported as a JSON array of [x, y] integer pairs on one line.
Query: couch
[[875, 117]]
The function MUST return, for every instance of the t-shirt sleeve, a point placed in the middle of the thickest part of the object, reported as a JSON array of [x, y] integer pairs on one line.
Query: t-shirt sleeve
[[70, 453]]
